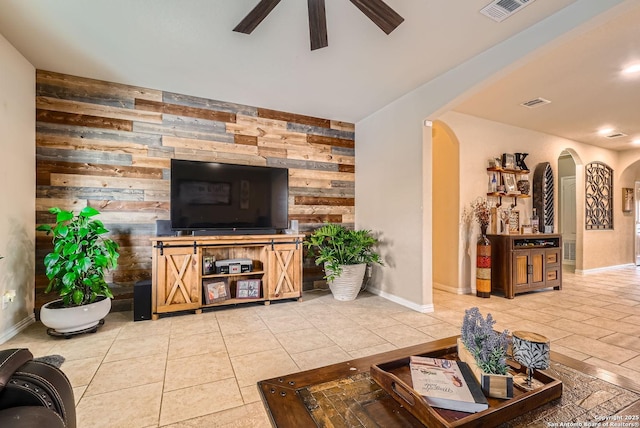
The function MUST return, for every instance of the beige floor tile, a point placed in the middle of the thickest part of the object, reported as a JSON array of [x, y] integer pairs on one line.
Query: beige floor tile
[[551, 333], [623, 340], [415, 319], [320, 357], [250, 394], [600, 312], [138, 406], [566, 314], [440, 331], [304, 340], [82, 347], [247, 416], [195, 344], [353, 338], [595, 348], [634, 364], [250, 343], [568, 352], [81, 372], [331, 323], [197, 370], [619, 326], [133, 347], [365, 352], [146, 328], [251, 368], [78, 391], [121, 374], [532, 315], [188, 403], [580, 328], [247, 323], [622, 370], [285, 323], [403, 335]]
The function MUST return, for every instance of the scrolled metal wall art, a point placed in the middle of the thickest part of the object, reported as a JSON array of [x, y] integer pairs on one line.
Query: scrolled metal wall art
[[598, 196]]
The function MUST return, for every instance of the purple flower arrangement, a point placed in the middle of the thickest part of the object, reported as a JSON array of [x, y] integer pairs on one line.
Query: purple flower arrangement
[[488, 347]]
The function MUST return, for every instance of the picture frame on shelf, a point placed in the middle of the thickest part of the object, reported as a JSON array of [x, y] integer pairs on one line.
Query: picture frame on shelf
[[215, 290], [508, 161], [208, 265], [514, 222], [510, 183], [627, 199], [248, 289]]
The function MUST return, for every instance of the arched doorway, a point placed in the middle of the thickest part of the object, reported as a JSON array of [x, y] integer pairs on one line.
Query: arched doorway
[[447, 269], [567, 214]]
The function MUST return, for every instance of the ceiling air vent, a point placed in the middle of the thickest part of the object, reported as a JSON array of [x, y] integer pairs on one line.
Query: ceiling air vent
[[499, 10], [616, 135], [536, 102]]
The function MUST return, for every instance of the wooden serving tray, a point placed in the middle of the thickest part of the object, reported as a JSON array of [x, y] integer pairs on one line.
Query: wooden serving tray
[[395, 378]]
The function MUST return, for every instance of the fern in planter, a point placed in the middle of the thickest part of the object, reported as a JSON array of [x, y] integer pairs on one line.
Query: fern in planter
[[76, 266], [334, 245]]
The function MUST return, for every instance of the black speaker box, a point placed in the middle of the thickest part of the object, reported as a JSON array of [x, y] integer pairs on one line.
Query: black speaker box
[[163, 228], [142, 300]]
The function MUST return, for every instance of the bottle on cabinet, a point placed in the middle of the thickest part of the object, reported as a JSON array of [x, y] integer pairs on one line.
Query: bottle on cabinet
[[535, 222]]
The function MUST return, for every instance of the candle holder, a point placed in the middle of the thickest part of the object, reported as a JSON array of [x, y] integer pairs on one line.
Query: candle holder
[[533, 352]]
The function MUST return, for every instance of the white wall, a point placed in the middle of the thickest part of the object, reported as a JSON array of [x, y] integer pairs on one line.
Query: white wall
[[17, 188], [394, 159]]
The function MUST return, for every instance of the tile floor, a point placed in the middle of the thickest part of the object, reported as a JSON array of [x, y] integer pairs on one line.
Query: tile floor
[[201, 370]]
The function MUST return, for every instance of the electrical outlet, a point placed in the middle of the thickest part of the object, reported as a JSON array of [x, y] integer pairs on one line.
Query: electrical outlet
[[8, 297]]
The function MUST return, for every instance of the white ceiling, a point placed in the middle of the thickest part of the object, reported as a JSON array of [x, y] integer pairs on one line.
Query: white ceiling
[[188, 47]]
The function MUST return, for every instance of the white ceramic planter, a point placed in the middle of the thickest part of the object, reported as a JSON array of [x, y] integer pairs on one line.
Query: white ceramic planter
[[76, 318], [347, 286]]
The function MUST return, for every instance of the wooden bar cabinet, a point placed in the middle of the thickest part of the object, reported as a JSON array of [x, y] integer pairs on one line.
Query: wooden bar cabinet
[[521, 263]]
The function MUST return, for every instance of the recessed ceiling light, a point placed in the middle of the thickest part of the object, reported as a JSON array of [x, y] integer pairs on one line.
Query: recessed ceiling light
[[605, 131], [636, 142], [632, 69]]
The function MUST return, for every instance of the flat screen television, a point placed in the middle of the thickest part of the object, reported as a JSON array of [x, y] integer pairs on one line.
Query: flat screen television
[[221, 198]]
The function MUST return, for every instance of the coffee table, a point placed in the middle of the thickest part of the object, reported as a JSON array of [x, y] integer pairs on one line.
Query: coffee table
[[344, 395]]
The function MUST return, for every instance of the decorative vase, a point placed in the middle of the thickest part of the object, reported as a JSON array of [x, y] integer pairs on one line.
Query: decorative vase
[[483, 264], [493, 385], [347, 285], [75, 318]]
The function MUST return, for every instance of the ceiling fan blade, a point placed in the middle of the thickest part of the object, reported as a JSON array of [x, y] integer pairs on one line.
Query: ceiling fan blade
[[380, 13], [256, 16], [317, 24]]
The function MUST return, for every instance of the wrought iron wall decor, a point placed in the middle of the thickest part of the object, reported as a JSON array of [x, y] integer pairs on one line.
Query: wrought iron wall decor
[[543, 200], [598, 196]]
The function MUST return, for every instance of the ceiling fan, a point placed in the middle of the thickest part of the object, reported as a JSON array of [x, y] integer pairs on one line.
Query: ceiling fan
[[377, 10]]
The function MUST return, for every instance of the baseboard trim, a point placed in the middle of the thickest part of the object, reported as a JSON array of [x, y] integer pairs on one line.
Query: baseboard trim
[[404, 302], [450, 289], [17, 328], [603, 269]]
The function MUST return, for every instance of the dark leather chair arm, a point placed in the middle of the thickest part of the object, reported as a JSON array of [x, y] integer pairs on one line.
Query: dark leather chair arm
[[10, 362]]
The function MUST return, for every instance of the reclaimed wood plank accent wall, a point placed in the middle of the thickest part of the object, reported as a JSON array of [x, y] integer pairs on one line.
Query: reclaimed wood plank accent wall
[[109, 146]]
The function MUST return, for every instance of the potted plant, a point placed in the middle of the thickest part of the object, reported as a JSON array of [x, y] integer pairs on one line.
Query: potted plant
[[345, 254], [485, 351], [75, 269]]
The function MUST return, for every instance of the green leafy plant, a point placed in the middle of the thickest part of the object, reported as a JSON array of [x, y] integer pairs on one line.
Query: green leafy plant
[[76, 266], [334, 245], [488, 347]]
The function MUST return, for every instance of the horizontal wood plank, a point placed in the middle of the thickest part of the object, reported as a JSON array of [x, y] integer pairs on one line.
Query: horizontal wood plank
[[97, 110], [292, 117], [322, 200], [181, 110]]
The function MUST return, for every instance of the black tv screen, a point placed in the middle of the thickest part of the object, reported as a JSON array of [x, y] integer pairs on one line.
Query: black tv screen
[[224, 197]]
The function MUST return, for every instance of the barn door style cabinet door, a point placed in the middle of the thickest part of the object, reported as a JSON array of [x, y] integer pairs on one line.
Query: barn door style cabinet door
[[522, 263], [285, 270], [176, 274]]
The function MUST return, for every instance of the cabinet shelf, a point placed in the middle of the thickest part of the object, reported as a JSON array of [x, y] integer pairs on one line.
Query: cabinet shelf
[[509, 171], [229, 275], [232, 301], [507, 195]]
